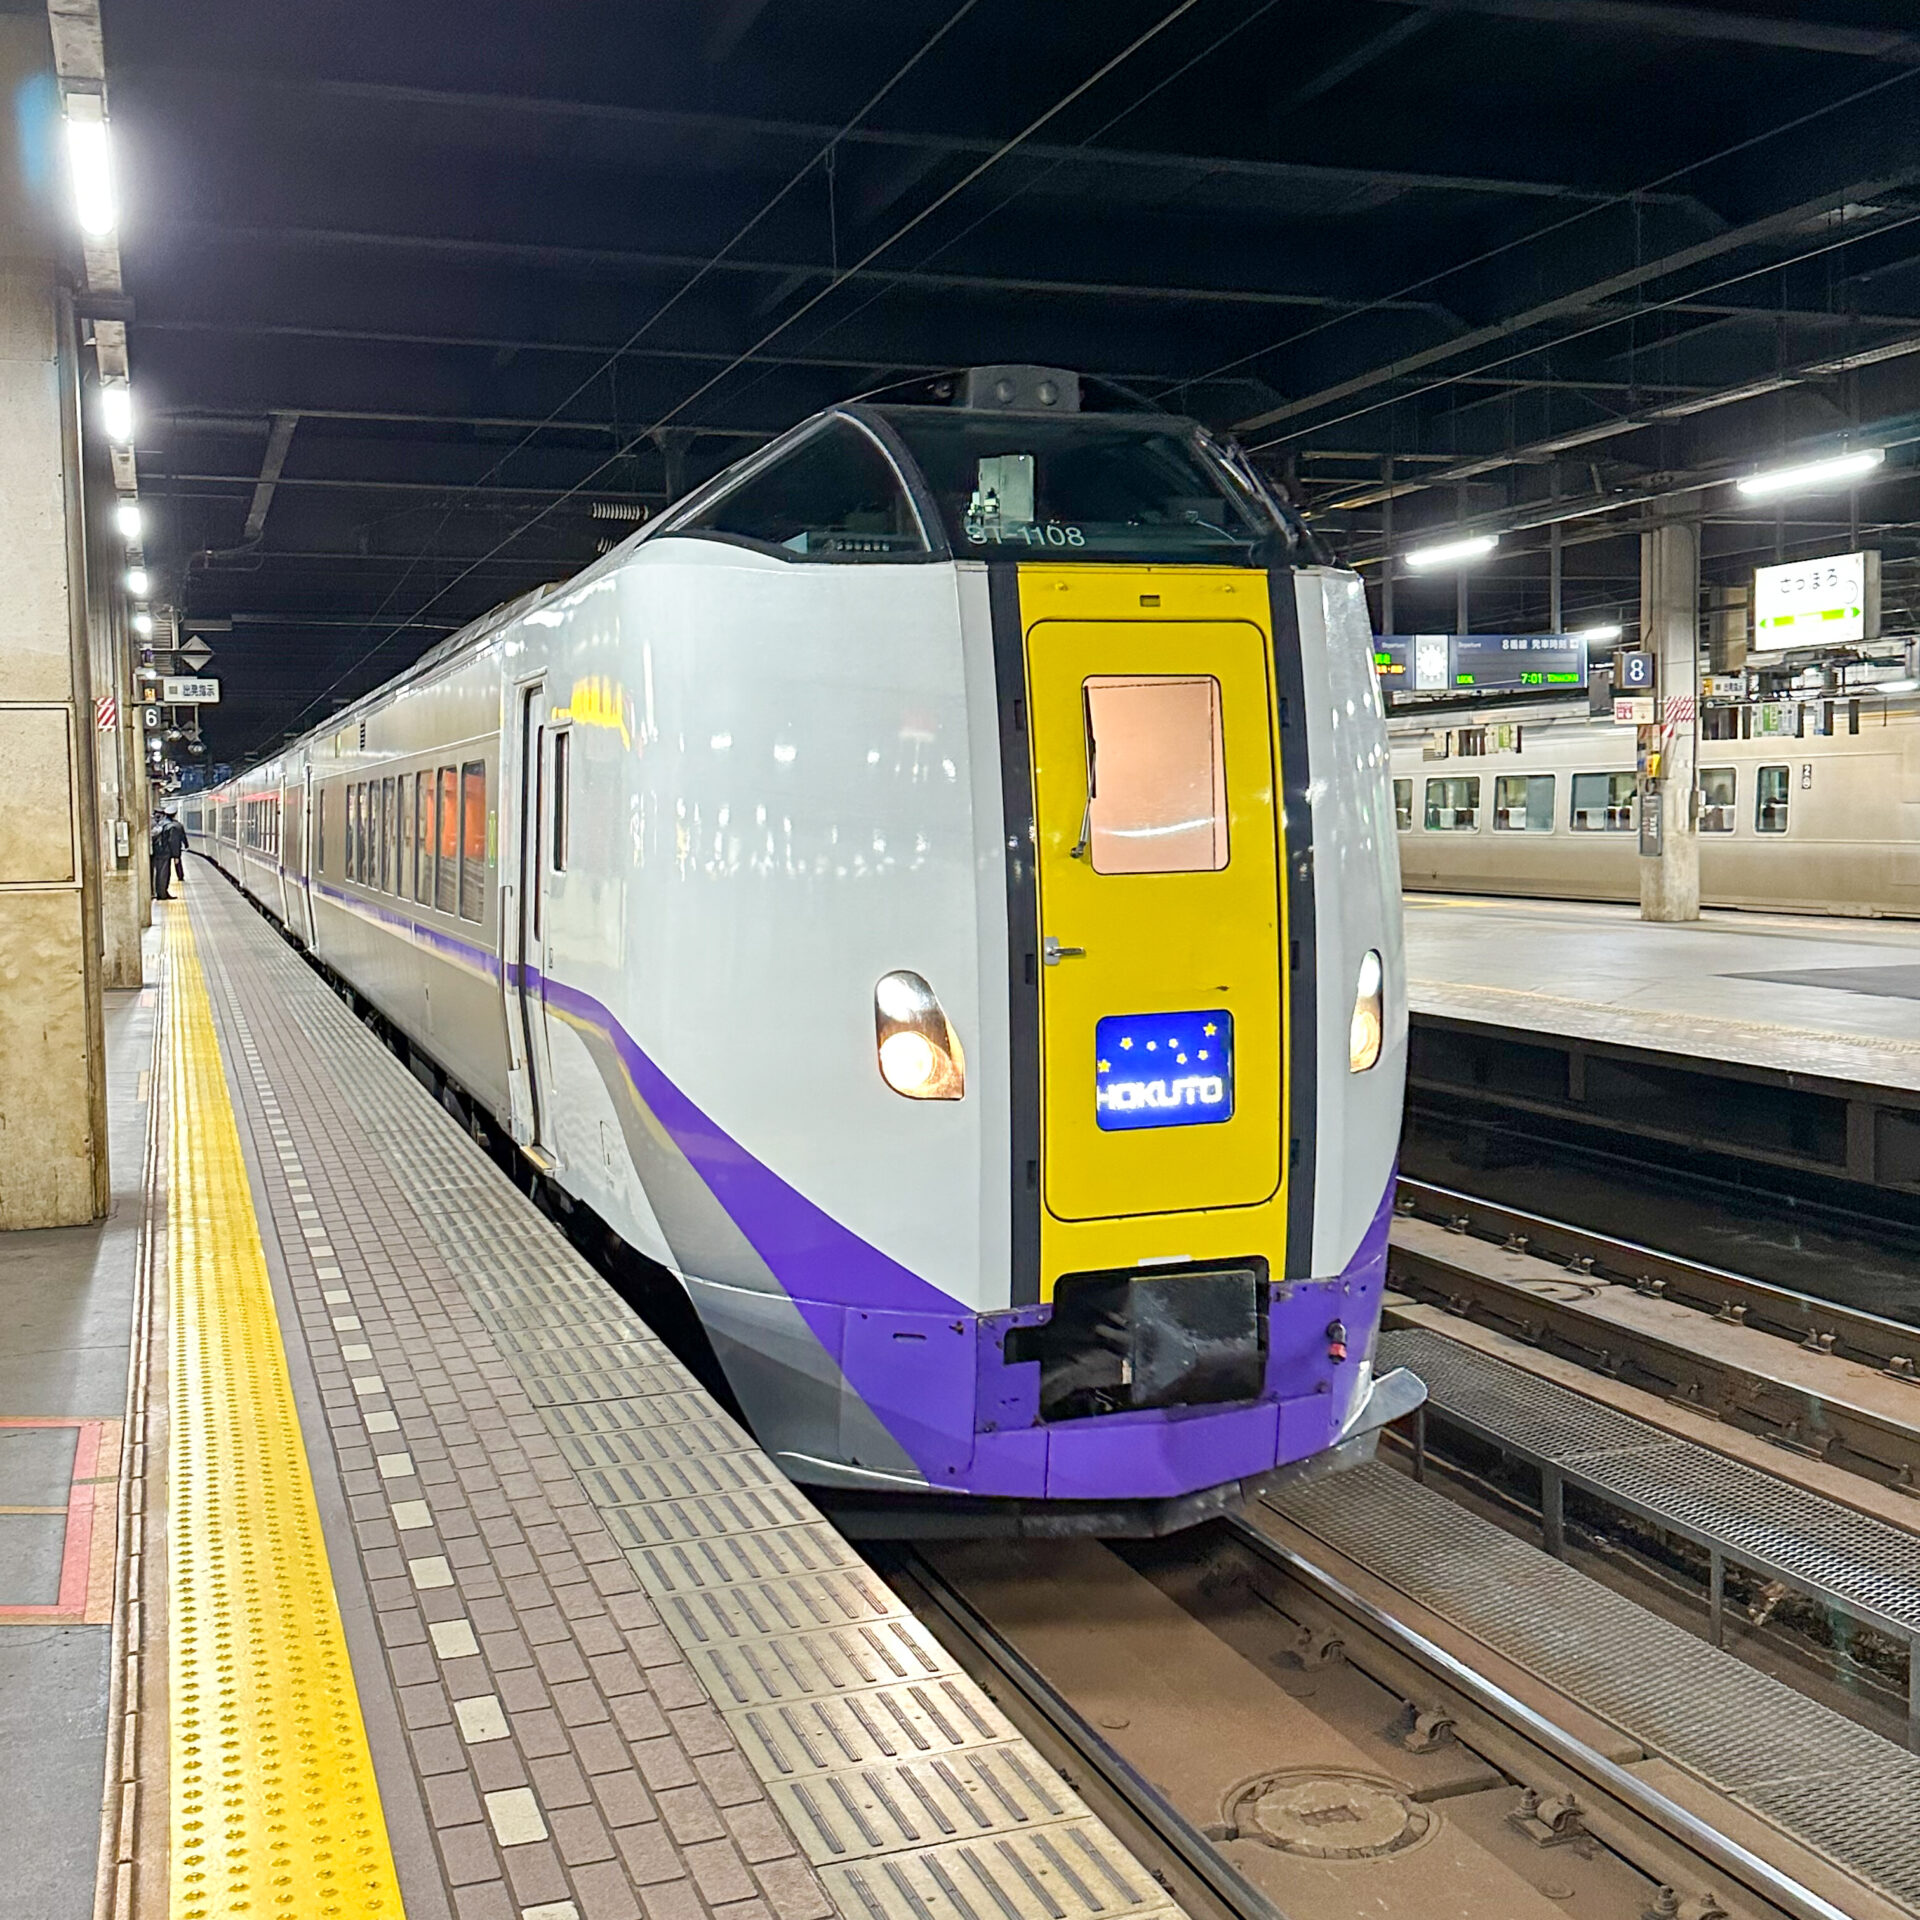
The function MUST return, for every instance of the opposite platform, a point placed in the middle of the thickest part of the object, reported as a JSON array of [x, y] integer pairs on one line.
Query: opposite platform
[[1839, 999], [604, 1659]]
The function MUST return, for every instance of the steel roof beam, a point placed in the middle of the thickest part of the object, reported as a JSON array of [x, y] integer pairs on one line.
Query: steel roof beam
[[475, 116], [1792, 33], [793, 274]]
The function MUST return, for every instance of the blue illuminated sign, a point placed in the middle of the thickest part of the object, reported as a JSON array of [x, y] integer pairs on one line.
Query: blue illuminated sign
[[1163, 1070]]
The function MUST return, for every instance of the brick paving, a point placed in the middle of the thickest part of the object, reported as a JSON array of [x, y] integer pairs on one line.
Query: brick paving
[[569, 1759], [637, 1673]]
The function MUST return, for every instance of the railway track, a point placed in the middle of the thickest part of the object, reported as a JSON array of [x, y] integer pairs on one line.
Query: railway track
[[1274, 1743], [1810, 1375]]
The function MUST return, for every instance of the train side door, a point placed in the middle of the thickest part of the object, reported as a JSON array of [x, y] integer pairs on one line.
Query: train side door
[[1160, 1001], [305, 845], [523, 940]]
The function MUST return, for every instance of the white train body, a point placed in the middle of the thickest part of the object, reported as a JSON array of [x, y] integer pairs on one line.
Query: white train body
[[1824, 821], [708, 794]]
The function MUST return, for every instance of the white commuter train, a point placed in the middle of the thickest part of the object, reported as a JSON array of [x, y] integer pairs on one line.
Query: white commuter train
[[1543, 801], [933, 891]]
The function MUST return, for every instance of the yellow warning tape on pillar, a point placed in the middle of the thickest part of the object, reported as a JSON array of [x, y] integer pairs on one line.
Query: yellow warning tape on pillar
[[274, 1807]]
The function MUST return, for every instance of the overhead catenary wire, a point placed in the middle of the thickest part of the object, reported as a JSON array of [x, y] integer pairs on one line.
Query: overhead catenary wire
[[1618, 200], [823, 156], [993, 159]]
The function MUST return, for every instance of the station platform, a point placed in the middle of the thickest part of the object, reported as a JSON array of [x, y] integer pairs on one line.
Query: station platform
[[1583, 1011], [1839, 999], [442, 1587]]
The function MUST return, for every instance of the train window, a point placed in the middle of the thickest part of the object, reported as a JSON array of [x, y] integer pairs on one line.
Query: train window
[[402, 834], [386, 835], [473, 841], [423, 838], [1523, 803], [363, 845], [1603, 802], [1403, 805], [1770, 800], [835, 496], [446, 880], [562, 760], [1082, 487], [351, 869], [1156, 774], [1453, 804], [1719, 793]]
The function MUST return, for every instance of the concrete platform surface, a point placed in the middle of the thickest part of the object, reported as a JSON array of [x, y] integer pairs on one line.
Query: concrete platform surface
[[1797, 994]]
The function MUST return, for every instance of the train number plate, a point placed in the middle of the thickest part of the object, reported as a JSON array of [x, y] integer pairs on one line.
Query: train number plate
[[1163, 1069]]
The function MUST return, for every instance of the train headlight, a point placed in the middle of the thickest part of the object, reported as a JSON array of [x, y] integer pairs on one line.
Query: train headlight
[[918, 1051], [1369, 1022]]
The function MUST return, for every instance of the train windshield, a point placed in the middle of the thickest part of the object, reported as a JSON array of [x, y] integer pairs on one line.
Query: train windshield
[[1086, 487]]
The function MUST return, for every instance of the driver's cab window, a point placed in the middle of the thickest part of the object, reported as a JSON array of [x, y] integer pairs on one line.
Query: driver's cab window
[[835, 496]]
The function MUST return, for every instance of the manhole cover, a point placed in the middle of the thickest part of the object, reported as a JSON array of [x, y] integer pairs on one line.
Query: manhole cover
[[1326, 1816]]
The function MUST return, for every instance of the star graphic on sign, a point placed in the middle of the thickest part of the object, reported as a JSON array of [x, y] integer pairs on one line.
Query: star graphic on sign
[[1210, 1029], [1127, 1043], [1181, 1058], [1103, 1066], [1153, 1046]]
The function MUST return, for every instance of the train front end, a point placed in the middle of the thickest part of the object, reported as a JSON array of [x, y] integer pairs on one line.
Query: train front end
[[1182, 1027]]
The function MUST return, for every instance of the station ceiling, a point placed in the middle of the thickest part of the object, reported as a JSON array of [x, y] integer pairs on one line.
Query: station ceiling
[[425, 297]]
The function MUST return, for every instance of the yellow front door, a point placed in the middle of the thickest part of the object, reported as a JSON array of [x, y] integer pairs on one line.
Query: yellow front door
[[1160, 988]]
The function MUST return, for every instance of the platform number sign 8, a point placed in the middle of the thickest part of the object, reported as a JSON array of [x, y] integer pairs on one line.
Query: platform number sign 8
[[1633, 670]]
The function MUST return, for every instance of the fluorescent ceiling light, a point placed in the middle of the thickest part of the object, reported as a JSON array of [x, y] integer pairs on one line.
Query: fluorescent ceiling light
[[116, 411], [143, 624], [1835, 472], [1891, 686], [1452, 553], [137, 582], [127, 517], [90, 155], [1591, 634]]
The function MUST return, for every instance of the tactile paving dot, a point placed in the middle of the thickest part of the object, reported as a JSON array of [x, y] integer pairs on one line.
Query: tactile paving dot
[[275, 1810]]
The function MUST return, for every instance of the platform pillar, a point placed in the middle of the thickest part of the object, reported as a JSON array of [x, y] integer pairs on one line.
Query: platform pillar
[[1670, 630], [53, 1133]]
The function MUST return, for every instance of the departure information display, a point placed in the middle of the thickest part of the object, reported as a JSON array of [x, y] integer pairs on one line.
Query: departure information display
[[1480, 662]]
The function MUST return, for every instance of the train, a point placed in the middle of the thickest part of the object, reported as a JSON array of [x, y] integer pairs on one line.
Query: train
[[933, 891], [1808, 805]]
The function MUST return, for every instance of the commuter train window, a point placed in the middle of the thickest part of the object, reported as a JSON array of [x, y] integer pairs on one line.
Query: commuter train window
[[353, 832], [1403, 805], [1719, 795], [446, 879], [1156, 774], [835, 496], [386, 835], [1523, 803], [423, 838], [473, 841], [1453, 804], [562, 768], [1082, 487], [365, 874], [1770, 800], [402, 834], [1604, 802]]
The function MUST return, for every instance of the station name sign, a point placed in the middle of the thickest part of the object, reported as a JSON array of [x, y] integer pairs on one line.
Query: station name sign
[[1480, 662], [1833, 601]]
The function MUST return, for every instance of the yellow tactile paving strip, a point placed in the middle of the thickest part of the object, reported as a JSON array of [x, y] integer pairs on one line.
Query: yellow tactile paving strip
[[275, 1810]]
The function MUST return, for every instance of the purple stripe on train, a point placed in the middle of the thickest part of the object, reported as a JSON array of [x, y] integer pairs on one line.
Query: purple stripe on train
[[934, 1372]]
